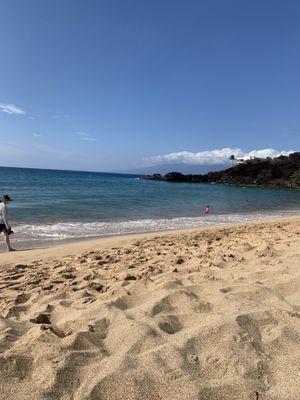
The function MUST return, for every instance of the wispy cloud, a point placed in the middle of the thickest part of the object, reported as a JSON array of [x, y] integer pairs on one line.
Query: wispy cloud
[[86, 136], [89, 139], [11, 109], [37, 135], [31, 117], [82, 134], [218, 156]]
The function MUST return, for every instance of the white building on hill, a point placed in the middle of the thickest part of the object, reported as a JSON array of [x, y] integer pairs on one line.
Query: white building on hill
[[245, 159]]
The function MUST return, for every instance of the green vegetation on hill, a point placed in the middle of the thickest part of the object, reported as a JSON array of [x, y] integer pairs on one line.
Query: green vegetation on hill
[[295, 178], [283, 171]]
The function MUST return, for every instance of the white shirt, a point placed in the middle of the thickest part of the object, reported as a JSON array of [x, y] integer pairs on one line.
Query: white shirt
[[3, 219]]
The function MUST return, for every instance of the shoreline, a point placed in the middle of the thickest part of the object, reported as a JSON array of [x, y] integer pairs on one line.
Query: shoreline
[[279, 172], [75, 246], [242, 185], [180, 223]]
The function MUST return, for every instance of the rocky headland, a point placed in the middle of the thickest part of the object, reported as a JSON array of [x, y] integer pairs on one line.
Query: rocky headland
[[283, 171]]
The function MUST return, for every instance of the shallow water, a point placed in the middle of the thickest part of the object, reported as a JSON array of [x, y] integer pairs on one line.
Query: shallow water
[[55, 205]]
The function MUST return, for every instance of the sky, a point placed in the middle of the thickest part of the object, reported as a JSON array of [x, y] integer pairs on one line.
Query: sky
[[114, 85]]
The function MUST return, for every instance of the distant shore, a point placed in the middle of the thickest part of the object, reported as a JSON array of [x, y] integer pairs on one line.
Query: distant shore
[[279, 172]]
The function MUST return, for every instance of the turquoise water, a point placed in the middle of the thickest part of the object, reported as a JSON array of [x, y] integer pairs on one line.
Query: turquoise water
[[52, 204]]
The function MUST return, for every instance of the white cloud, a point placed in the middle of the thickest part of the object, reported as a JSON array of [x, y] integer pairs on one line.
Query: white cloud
[[86, 136], [269, 153], [11, 109], [218, 156], [37, 135], [31, 117]]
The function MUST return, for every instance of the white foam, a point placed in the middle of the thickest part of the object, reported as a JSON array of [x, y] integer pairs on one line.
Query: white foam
[[69, 230]]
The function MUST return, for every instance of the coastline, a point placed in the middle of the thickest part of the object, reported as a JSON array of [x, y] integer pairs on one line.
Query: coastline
[[72, 247], [159, 225], [278, 172]]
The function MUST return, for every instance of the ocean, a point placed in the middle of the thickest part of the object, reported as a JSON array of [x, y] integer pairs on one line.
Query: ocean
[[52, 205]]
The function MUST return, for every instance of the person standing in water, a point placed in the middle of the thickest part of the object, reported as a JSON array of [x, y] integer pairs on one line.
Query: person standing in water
[[4, 225], [207, 210]]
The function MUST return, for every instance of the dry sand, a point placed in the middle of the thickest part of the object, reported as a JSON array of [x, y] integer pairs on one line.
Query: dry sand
[[203, 314]]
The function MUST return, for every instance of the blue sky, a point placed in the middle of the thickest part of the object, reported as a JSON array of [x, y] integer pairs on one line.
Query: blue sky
[[112, 85]]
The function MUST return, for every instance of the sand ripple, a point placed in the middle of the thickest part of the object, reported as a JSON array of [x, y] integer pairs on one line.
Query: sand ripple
[[213, 314]]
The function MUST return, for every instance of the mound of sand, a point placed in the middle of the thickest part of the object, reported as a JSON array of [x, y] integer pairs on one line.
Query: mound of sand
[[208, 314]]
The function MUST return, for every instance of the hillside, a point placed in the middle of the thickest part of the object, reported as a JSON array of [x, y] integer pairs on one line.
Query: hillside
[[283, 171]]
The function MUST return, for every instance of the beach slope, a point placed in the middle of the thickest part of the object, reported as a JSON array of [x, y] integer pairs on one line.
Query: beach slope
[[203, 314]]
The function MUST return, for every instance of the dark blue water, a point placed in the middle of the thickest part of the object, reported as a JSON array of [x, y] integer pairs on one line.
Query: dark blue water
[[66, 204]]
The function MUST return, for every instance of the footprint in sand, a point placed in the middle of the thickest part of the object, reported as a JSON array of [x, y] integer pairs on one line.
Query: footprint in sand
[[15, 366], [42, 318], [170, 324]]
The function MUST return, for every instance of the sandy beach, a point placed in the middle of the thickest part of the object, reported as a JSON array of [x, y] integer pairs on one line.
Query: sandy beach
[[194, 314]]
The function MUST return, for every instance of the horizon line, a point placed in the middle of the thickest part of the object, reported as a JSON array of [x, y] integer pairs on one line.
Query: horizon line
[[71, 170]]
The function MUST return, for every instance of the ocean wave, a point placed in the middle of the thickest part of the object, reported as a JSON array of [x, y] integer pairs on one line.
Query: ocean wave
[[72, 230]]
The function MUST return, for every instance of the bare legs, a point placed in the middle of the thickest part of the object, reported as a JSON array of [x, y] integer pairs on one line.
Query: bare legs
[[7, 241]]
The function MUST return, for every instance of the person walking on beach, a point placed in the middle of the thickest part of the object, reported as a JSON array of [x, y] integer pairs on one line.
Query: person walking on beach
[[4, 225]]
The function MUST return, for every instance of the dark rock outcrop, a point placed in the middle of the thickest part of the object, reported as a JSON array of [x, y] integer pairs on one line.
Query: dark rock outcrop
[[154, 177], [283, 171]]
